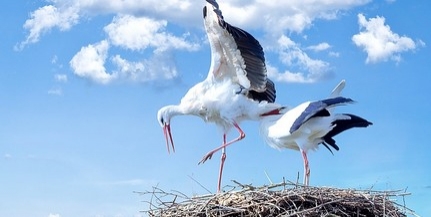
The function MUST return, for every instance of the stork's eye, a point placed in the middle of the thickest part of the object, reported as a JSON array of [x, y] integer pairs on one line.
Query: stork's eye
[[162, 120]]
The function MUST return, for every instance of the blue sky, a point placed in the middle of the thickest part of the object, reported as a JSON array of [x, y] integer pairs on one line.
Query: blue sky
[[81, 83]]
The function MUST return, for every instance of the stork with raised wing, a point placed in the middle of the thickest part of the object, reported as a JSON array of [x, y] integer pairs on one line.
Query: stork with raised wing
[[236, 88], [309, 124]]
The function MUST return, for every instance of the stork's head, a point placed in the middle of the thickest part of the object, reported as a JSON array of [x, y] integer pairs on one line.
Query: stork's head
[[164, 116]]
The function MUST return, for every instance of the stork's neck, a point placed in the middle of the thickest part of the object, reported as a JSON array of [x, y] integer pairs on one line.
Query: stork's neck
[[267, 121], [175, 110], [271, 118]]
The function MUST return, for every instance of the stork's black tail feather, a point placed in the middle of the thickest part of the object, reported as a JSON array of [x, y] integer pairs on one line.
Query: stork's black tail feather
[[342, 125]]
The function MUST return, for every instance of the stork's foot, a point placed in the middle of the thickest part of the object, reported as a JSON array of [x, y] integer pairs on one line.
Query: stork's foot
[[206, 157]]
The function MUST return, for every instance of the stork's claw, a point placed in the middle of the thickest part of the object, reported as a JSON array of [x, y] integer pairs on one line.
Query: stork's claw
[[206, 157]]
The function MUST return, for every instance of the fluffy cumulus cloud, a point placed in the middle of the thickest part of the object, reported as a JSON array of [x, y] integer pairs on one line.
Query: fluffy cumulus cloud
[[279, 16], [179, 11], [126, 31], [143, 27], [158, 67], [308, 70], [379, 42], [138, 33], [89, 62], [319, 47], [273, 16], [135, 34], [64, 14], [46, 18]]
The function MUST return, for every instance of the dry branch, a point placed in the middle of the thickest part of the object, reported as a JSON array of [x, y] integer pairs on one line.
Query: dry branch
[[283, 199]]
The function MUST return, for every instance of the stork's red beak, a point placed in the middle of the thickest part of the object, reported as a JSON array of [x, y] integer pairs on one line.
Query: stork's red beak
[[168, 137]]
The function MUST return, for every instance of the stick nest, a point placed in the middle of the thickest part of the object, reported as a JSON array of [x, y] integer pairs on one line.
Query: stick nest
[[284, 199]]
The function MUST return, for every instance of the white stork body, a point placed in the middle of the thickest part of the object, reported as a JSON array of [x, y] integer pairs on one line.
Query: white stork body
[[309, 124], [235, 89]]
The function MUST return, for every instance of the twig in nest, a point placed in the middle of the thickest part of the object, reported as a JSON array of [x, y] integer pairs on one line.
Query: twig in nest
[[283, 199]]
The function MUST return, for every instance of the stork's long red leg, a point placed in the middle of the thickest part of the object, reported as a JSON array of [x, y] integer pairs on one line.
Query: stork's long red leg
[[222, 159], [306, 168], [210, 154]]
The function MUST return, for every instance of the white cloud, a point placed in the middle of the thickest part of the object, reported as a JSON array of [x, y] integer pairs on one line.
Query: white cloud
[[63, 14], [135, 34], [294, 77], [132, 70], [279, 16], [60, 78], [138, 33], [7, 156], [56, 91], [126, 31], [89, 63], [334, 54], [319, 47], [45, 18], [54, 215], [54, 59], [158, 67], [56, 62], [178, 11], [273, 16], [379, 42], [309, 70]]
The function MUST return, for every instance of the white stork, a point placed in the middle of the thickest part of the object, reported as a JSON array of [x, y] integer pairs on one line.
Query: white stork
[[236, 88], [310, 124]]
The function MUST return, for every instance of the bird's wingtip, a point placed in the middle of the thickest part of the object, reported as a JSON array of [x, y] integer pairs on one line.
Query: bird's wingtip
[[337, 90], [213, 3]]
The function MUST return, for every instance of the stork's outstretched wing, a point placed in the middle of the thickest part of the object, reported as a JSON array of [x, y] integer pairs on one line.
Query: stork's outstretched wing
[[234, 52]]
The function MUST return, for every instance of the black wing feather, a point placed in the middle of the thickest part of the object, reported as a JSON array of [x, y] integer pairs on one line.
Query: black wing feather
[[269, 94], [317, 109], [341, 126], [250, 49], [253, 55], [345, 124]]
